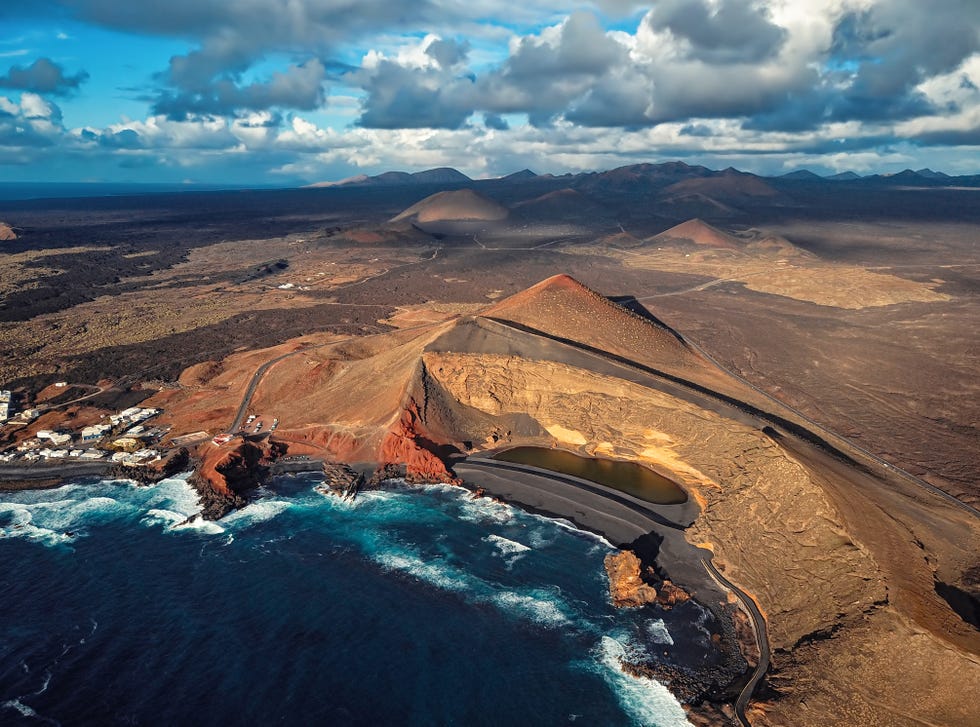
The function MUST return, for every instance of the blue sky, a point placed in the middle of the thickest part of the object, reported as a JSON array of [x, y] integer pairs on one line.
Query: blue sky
[[283, 92]]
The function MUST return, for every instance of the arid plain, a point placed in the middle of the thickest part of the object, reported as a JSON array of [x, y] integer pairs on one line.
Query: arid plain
[[825, 339]]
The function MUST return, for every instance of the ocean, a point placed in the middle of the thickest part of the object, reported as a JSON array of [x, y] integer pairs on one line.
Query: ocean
[[410, 606]]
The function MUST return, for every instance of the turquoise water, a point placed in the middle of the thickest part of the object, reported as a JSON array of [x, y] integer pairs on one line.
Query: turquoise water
[[417, 606]]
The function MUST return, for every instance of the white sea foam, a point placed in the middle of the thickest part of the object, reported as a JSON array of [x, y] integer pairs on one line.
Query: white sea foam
[[647, 701], [573, 528], [541, 537], [483, 509], [176, 521], [19, 523], [173, 493], [436, 572], [540, 607], [510, 550], [159, 516], [657, 630], [73, 514], [256, 512], [200, 525], [20, 707]]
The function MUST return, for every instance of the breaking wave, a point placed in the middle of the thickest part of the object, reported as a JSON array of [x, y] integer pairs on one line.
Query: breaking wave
[[657, 631], [646, 701], [510, 550], [440, 536]]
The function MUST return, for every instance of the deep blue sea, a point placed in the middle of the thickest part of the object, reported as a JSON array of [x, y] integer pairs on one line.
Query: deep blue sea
[[411, 606]]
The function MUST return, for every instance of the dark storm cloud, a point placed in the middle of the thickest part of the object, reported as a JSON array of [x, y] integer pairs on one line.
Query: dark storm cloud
[[617, 101], [876, 60], [539, 79], [42, 76], [898, 43], [298, 87], [583, 49], [401, 97], [735, 31], [950, 137], [226, 26], [448, 53], [125, 139], [496, 122], [689, 62], [894, 46], [544, 80]]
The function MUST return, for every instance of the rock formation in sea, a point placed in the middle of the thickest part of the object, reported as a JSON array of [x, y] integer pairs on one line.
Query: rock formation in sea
[[626, 585]]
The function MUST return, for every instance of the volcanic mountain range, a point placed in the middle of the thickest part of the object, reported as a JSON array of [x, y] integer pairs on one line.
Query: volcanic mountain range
[[659, 174]]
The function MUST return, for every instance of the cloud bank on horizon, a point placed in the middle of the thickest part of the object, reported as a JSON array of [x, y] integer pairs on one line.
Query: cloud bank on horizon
[[273, 91]]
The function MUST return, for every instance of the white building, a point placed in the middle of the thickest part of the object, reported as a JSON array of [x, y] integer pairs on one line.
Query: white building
[[95, 432], [54, 437], [133, 415]]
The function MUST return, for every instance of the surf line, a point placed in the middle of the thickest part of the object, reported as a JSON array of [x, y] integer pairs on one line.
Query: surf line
[[626, 522]]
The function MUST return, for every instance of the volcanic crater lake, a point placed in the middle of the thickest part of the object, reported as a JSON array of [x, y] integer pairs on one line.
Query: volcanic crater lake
[[628, 477]]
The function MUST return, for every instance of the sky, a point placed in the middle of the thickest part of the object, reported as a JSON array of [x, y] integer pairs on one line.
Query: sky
[[287, 92]]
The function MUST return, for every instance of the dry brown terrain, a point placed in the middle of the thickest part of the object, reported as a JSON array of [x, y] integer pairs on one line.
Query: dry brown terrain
[[836, 558], [854, 305]]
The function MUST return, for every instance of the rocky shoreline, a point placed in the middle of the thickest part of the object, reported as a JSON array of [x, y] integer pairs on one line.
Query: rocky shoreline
[[225, 477], [655, 568]]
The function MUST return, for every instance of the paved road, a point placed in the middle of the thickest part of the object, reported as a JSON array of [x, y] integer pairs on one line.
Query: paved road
[[261, 371], [817, 430], [257, 378], [761, 638], [567, 491]]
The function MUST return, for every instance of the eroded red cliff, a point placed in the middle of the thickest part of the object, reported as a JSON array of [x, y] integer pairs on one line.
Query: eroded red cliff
[[407, 443]]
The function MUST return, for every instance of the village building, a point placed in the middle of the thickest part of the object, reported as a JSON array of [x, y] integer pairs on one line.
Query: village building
[[95, 432], [56, 438]]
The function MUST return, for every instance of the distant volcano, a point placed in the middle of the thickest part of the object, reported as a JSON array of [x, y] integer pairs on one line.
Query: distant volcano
[[455, 206], [700, 233]]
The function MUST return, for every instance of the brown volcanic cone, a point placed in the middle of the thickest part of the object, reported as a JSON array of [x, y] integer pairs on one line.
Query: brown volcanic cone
[[725, 186], [366, 400], [700, 233], [6, 232], [457, 205], [561, 307], [562, 202]]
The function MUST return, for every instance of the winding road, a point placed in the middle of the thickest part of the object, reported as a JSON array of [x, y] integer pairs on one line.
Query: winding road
[[761, 638], [624, 515]]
